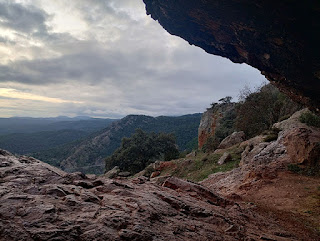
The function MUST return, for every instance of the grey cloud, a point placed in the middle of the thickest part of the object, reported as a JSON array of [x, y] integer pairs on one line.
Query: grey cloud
[[27, 19], [96, 11], [143, 71], [6, 40]]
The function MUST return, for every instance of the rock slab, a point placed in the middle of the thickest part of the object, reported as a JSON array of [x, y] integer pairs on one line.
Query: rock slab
[[40, 202]]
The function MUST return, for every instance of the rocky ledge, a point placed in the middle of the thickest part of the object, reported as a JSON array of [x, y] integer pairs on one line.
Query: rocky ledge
[[40, 202]]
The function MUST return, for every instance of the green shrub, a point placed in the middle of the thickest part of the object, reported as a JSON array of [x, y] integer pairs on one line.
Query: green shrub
[[183, 154], [305, 170], [271, 137], [310, 119]]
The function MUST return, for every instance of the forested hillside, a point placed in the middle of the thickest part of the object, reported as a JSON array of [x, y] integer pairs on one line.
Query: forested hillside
[[28, 135], [88, 155]]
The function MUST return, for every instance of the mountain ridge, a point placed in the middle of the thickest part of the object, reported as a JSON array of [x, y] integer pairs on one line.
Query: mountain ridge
[[91, 152]]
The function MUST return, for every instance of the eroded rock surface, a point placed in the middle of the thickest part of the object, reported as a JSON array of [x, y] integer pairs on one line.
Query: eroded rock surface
[[261, 161], [40, 202], [280, 38]]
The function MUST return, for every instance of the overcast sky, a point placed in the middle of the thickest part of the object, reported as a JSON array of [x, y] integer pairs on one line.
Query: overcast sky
[[104, 58]]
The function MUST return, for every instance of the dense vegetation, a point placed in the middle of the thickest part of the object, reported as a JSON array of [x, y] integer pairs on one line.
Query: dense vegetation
[[141, 149], [33, 125], [310, 119], [30, 135], [258, 111], [24, 143]]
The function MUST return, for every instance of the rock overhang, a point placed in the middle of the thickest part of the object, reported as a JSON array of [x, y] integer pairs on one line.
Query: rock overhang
[[280, 38]]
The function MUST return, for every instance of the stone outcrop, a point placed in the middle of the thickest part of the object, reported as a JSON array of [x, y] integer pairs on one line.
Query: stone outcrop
[[260, 162], [113, 172], [211, 121], [40, 202], [225, 158], [280, 38], [233, 139], [302, 142]]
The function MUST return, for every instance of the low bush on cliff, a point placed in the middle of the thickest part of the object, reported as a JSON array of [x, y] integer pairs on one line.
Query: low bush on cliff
[[310, 119], [258, 111], [141, 149], [271, 135], [304, 170]]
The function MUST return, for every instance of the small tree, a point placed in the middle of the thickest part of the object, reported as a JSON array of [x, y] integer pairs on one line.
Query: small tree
[[226, 100]]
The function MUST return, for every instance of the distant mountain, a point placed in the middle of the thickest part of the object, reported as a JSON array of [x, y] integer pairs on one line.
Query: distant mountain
[[31, 125], [24, 143], [24, 135], [88, 155]]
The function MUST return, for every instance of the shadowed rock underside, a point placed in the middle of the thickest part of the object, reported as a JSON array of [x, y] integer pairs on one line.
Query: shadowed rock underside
[[280, 38]]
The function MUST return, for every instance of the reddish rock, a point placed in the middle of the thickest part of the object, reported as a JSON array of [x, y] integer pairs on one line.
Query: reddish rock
[[210, 121], [40, 202], [303, 146], [155, 174]]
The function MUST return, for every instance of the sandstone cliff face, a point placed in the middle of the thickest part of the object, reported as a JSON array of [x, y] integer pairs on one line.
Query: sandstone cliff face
[[211, 121], [280, 38], [40, 202]]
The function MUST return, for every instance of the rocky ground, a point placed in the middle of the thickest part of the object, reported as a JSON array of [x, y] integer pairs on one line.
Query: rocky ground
[[40, 202], [265, 178]]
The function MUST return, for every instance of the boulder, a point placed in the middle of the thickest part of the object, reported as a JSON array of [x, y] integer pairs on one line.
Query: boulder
[[231, 140], [226, 157], [124, 174], [303, 146], [262, 161], [113, 172]]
